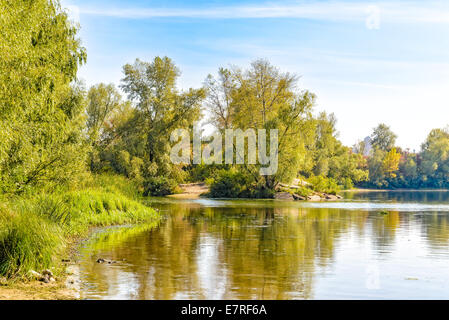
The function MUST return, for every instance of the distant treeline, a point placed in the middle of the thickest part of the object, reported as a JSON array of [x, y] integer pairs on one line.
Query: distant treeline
[[392, 167]]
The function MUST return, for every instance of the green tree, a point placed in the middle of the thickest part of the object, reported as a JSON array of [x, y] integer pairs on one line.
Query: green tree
[[103, 102], [390, 163], [332, 159], [41, 106], [219, 98], [376, 168], [262, 97], [435, 158], [408, 170], [383, 138], [159, 109]]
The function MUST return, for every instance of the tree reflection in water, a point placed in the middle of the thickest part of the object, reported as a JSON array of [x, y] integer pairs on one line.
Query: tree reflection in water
[[242, 251]]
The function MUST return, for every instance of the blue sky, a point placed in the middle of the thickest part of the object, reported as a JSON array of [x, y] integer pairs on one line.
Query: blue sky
[[367, 61]]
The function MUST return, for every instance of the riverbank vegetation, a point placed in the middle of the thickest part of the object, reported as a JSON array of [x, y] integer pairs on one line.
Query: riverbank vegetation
[[73, 157], [36, 229], [48, 196]]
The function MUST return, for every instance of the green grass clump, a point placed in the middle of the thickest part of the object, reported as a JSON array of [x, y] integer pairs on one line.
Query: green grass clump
[[100, 208], [27, 242], [34, 229], [116, 184]]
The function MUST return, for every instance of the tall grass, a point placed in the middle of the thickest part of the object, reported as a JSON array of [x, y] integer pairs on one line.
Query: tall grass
[[27, 242], [34, 229], [92, 207], [116, 184]]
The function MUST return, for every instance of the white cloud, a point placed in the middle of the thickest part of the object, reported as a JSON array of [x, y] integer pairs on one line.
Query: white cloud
[[369, 12]]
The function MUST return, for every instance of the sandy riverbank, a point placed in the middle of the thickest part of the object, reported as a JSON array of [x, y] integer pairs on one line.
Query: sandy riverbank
[[36, 290], [191, 191]]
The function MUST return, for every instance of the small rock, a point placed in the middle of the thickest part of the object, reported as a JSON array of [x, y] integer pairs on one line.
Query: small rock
[[34, 275], [331, 197], [283, 196], [47, 273], [52, 279], [339, 197], [101, 260], [314, 198], [44, 280], [65, 260], [297, 197]]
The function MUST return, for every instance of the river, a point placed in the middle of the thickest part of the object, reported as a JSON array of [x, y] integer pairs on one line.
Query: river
[[267, 249]]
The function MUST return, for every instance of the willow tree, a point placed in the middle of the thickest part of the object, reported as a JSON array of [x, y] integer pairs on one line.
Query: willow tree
[[159, 108], [41, 108], [262, 97]]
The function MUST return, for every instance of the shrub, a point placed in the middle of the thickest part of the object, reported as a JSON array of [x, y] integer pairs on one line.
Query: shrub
[[235, 184], [202, 172], [159, 186], [323, 184], [348, 184], [302, 191], [229, 184], [260, 192]]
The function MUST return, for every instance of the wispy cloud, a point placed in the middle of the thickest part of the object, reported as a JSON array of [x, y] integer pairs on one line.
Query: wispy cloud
[[398, 11]]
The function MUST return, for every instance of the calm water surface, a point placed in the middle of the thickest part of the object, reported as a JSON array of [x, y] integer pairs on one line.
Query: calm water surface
[[215, 249]]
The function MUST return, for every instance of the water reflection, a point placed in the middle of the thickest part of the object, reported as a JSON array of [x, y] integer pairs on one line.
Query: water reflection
[[418, 196], [272, 250]]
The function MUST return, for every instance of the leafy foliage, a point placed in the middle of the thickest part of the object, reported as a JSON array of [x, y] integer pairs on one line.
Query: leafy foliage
[[233, 183], [41, 106], [159, 186], [397, 168], [323, 184], [383, 138]]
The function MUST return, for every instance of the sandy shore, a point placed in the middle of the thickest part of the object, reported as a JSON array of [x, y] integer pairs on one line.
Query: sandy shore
[[191, 191], [36, 290]]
